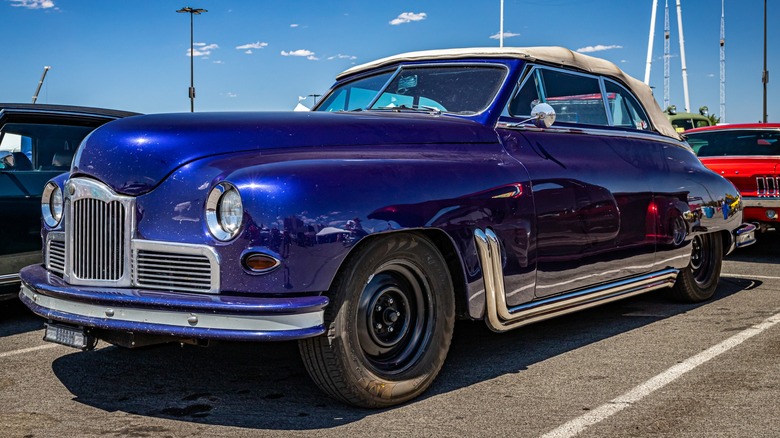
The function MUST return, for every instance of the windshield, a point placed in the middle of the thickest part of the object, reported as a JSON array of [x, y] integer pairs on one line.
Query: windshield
[[462, 90], [736, 142]]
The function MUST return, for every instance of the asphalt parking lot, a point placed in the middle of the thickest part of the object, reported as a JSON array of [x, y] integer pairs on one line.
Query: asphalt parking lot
[[645, 366]]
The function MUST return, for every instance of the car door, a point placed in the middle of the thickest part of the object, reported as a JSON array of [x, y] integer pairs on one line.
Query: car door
[[591, 176]]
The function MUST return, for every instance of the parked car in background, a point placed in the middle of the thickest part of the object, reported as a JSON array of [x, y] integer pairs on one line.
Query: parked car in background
[[37, 143], [423, 187], [683, 121], [749, 156]]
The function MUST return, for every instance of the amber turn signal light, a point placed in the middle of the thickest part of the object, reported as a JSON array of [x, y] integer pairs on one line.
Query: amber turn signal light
[[260, 263]]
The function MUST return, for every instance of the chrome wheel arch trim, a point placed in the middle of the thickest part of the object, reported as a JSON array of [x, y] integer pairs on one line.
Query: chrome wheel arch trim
[[499, 317]]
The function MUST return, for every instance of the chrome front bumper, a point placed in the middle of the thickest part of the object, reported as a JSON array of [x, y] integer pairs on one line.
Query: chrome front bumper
[[173, 314]]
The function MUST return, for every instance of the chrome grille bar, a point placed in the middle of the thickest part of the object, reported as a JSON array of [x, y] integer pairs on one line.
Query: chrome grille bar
[[55, 252], [98, 243]]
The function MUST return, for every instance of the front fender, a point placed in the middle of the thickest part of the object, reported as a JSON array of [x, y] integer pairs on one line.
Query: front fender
[[311, 209]]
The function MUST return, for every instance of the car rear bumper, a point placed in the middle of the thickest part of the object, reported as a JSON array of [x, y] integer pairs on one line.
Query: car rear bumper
[[761, 202], [173, 314]]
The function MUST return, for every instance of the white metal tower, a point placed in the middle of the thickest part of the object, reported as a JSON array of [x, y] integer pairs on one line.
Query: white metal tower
[[667, 55], [682, 58], [722, 62], [650, 43]]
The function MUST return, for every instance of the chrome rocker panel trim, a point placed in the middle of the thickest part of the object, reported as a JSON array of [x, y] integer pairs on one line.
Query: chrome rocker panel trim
[[192, 316], [500, 318]]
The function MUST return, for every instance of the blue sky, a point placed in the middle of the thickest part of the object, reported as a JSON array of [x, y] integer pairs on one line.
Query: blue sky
[[262, 55]]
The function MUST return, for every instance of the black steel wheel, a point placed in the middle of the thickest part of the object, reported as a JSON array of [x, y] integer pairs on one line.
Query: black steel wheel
[[390, 323], [698, 281]]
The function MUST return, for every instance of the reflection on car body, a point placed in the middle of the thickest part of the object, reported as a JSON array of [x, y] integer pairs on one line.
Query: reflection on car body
[[423, 188]]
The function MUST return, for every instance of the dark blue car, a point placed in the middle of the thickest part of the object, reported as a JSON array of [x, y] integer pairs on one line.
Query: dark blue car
[[505, 185]]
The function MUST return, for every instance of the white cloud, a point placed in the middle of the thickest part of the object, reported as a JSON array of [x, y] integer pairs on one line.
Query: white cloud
[[711, 75], [33, 4], [231, 94], [598, 48], [256, 45], [308, 54], [340, 56], [506, 35], [408, 17], [202, 49], [623, 61], [294, 25], [218, 62]]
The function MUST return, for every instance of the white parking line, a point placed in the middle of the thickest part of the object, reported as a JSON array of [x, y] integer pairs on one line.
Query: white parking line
[[616, 405], [762, 277], [27, 350]]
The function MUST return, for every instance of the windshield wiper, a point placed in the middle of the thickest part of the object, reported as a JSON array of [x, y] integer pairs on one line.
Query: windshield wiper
[[418, 108]]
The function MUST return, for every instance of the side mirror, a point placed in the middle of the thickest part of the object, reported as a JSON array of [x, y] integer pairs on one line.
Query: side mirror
[[542, 115]]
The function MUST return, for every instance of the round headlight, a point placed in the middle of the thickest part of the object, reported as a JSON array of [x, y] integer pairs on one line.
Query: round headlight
[[52, 204], [224, 211]]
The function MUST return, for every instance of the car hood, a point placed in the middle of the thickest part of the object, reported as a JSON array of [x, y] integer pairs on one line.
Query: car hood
[[134, 155]]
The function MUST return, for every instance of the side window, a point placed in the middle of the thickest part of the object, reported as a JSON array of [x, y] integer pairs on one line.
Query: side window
[[625, 109], [32, 147], [15, 152], [526, 97], [354, 95], [576, 98]]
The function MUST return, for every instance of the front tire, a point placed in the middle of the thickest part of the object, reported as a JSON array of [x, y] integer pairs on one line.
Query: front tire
[[390, 323], [698, 281]]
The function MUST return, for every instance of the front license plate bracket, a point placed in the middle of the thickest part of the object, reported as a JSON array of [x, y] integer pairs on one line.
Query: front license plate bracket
[[71, 336]]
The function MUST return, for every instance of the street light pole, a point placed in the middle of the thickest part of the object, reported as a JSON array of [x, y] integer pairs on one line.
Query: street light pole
[[765, 73], [192, 11]]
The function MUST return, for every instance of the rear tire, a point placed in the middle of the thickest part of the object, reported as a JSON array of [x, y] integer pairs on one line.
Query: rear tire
[[698, 281], [389, 324]]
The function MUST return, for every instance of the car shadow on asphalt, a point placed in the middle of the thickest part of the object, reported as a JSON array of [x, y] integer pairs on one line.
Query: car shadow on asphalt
[[765, 250], [266, 387], [15, 318]]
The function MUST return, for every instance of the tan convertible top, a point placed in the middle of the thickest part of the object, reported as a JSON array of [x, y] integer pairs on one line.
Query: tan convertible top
[[556, 56]]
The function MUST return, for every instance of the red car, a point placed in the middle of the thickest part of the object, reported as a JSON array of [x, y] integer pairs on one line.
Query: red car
[[749, 156]]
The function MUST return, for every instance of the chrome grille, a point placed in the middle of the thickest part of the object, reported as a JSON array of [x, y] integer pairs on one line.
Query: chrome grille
[[55, 256], [98, 239], [182, 272], [99, 249]]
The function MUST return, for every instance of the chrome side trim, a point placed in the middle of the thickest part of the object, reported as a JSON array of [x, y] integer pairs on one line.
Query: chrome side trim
[[9, 278], [605, 132], [501, 318], [271, 323]]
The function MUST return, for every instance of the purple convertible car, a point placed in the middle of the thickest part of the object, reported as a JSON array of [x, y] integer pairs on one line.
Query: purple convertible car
[[506, 185]]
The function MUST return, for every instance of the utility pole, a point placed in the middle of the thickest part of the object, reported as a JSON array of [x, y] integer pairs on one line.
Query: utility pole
[[40, 83], [501, 26], [722, 61]]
